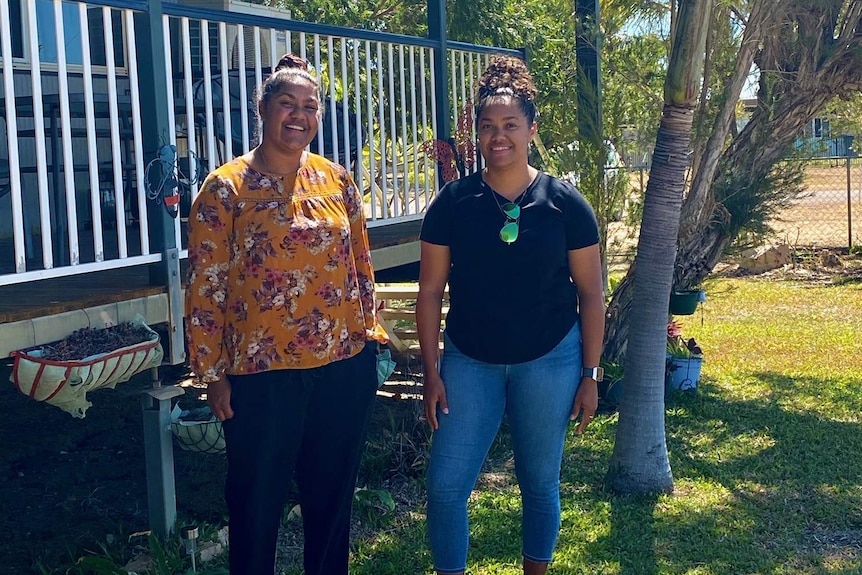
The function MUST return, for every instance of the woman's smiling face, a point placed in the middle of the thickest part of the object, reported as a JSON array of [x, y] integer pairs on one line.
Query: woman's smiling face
[[504, 133], [291, 116]]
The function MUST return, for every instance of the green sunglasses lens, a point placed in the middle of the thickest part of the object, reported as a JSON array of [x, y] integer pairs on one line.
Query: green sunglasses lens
[[512, 211], [509, 233]]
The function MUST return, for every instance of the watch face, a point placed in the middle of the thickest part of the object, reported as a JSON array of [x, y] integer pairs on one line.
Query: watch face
[[596, 373]]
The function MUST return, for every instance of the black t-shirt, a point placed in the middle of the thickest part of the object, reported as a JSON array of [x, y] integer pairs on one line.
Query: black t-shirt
[[510, 303]]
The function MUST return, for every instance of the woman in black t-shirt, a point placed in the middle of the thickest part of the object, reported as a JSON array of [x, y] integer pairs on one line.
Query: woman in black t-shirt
[[519, 250]]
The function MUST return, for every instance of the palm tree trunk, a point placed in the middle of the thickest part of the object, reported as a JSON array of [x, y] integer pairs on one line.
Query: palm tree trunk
[[639, 463]]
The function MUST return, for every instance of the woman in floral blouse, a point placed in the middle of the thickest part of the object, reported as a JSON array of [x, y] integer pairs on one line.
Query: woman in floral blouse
[[282, 328]]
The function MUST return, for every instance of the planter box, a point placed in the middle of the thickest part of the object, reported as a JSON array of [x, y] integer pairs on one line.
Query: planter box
[[65, 384], [682, 374]]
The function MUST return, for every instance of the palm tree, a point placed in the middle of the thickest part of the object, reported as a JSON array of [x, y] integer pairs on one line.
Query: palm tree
[[639, 463]]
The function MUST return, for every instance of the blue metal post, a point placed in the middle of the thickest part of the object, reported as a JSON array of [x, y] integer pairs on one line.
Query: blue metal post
[[156, 402], [155, 131], [587, 51], [159, 457], [437, 32]]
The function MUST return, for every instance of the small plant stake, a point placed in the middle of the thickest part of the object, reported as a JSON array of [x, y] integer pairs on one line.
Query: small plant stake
[[189, 535]]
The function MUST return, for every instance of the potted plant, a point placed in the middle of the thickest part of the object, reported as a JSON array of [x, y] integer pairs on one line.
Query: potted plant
[[684, 302], [684, 360]]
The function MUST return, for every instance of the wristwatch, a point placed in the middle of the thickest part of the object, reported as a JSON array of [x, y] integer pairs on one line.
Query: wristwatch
[[594, 373]]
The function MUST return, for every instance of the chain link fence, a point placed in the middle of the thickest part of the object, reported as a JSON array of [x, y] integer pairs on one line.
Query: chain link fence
[[828, 214]]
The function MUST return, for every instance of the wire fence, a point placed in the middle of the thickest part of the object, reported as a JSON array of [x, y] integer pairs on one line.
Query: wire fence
[[828, 214]]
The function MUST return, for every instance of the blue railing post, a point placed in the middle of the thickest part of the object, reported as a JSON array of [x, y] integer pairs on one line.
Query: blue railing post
[[158, 445], [155, 126], [587, 52], [437, 32]]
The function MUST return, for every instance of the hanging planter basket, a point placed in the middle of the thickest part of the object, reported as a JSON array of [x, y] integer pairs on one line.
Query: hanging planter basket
[[65, 383], [197, 430], [685, 302]]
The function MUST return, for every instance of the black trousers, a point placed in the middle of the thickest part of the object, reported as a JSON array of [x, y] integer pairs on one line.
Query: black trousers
[[311, 422]]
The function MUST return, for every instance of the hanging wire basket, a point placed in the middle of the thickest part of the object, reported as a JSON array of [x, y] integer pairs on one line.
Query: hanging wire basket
[[197, 430]]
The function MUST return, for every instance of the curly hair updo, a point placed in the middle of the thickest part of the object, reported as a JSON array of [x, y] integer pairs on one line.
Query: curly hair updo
[[507, 76], [289, 69]]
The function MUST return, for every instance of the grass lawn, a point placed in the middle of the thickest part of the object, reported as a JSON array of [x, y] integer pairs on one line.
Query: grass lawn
[[767, 458]]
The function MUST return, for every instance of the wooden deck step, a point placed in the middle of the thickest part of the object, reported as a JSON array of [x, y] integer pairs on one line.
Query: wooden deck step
[[398, 316]]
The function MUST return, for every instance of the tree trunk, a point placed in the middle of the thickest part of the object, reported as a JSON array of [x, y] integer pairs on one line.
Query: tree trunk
[[639, 463]]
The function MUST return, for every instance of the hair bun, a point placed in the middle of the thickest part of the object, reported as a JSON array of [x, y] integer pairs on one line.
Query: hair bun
[[291, 61], [507, 75]]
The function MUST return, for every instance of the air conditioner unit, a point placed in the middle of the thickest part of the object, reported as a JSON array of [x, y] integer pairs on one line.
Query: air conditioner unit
[[239, 6], [257, 9]]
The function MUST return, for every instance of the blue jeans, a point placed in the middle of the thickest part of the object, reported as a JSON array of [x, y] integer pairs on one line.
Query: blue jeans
[[537, 398]]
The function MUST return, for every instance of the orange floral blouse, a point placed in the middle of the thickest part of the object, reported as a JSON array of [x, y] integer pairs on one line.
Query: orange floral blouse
[[278, 278]]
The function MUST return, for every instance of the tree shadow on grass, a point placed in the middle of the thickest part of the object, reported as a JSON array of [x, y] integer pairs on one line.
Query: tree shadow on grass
[[785, 480], [632, 534]]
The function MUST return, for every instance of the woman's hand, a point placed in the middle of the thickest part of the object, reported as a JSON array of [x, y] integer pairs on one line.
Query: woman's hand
[[218, 398], [586, 403], [434, 394]]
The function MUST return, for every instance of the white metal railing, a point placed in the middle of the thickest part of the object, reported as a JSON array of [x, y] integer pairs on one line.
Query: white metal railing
[[71, 142], [379, 104], [72, 155]]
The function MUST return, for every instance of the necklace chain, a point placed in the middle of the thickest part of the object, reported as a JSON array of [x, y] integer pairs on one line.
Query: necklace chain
[[517, 201]]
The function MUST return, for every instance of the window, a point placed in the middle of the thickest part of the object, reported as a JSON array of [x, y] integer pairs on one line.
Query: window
[[96, 26], [197, 45], [821, 128], [46, 30], [17, 29]]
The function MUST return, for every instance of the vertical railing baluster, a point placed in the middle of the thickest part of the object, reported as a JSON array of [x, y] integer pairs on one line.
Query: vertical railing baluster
[[358, 171], [425, 130], [321, 144], [92, 142], [330, 74], [402, 101], [11, 115], [414, 125], [188, 88], [39, 136], [116, 144], [369, 106], [384, 186], [224, 72], [345, 105], [171, 135], [137, 131], [209, 122], [393, 135], [69, 237], [258, 79], [242, 82], [436, 134]]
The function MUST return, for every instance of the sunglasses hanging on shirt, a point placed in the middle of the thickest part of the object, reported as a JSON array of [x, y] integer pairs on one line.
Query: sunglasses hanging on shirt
[[512, 211]]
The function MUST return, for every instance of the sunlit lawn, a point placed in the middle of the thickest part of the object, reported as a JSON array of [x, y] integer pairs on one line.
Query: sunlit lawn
[[767, 458]]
